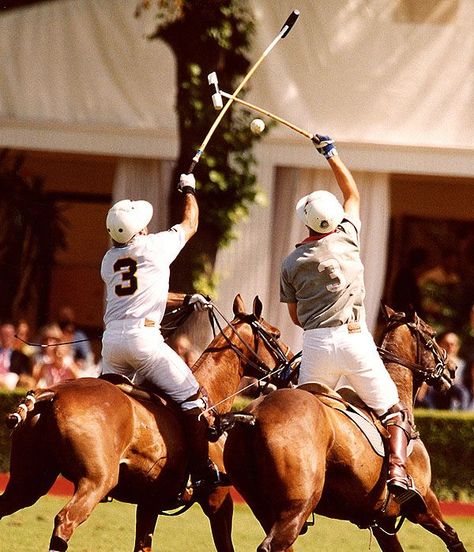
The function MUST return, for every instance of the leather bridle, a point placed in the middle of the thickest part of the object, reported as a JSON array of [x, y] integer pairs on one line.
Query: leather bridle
[[250, 356], [424, 341]]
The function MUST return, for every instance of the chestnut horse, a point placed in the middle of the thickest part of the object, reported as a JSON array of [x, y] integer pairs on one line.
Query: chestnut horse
[[303, 456], [110, 444]]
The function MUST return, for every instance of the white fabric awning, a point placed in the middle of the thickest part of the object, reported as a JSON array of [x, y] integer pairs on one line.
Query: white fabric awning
[[80, 73]]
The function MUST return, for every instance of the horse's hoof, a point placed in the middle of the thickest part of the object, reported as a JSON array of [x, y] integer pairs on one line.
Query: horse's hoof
[[304, 529], [186, 496]]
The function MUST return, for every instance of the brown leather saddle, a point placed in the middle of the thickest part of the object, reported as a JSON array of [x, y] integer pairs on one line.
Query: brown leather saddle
[[137, 391]]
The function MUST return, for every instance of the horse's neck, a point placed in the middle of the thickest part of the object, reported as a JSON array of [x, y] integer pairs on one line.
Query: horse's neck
[[401, 375], [219, 372], [404, 382]]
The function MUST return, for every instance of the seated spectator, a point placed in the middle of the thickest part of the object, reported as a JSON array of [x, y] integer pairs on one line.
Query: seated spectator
[[56, 362], [13, 363], [86, 364], [457, 397]]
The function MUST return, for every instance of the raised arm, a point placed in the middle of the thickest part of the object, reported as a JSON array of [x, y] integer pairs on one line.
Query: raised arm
[[187, 185], [343, 176]]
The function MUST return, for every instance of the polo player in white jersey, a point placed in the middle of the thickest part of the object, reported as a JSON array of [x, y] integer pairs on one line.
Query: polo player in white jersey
[[322, 282], [136, 273]]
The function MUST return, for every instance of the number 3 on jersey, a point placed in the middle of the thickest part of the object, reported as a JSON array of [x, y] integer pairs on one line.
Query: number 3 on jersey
[[127, 267], [333, 269]]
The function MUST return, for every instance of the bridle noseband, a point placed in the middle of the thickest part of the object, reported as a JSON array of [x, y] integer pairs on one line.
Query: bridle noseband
[[424, 341]]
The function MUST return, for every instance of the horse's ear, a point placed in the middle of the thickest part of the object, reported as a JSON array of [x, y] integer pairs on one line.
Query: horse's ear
[[238, 306], [387, 311], [411, 314], [257, 307]]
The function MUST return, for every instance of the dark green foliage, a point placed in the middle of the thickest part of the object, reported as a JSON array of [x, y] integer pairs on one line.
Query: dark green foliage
[[449, 438], [212, 35], [30, 234], [8, 402]]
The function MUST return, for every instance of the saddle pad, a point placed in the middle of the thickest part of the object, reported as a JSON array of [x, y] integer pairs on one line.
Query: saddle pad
[[369, 430]]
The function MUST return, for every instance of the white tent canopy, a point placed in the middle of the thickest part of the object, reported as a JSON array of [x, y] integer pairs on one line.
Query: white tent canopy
[[391, 81], [358, 70]]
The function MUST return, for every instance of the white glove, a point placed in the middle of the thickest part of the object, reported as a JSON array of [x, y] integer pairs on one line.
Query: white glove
[[186, 181], [199, 302]]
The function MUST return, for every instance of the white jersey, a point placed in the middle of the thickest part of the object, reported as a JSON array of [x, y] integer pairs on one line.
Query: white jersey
[[137, 275]]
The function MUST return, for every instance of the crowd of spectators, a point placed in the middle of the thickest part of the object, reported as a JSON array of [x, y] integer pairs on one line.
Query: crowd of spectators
[[56, 352]]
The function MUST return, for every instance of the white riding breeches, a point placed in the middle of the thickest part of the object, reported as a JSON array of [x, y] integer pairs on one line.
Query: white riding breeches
[[139, 352], [332, 354]]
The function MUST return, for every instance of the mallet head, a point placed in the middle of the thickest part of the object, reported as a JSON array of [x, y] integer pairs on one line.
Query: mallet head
[[216, 95], [287, 26]]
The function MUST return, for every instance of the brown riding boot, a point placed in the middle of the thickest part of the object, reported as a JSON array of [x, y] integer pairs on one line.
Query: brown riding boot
[[204, 473], [400, 430]]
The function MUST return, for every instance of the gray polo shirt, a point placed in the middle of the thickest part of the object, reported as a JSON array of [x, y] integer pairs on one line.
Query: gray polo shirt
[[325, 277]]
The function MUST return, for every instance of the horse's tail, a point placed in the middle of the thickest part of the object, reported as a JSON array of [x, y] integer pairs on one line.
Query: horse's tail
[[226, 422], [27, 404]]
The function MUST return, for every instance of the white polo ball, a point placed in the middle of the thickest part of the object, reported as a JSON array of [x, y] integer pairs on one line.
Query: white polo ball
[[257, 126]]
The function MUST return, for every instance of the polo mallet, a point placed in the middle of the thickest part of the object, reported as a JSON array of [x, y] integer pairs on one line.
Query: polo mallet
[[217, 95], [283, 32]]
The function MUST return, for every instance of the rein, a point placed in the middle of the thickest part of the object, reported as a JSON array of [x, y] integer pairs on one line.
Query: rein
[[259, 332], [172, 320]]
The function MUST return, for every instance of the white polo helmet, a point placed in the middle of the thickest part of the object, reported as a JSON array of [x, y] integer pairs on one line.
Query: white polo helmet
[[126, 218], [320, 211]]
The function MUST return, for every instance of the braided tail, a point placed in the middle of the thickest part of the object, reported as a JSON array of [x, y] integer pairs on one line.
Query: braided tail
[[26, 405]]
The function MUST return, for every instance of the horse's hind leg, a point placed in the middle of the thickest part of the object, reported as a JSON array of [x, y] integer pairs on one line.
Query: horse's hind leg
[[88, 494], [286, 528], [433, 522], [146, 517], [219, 508]]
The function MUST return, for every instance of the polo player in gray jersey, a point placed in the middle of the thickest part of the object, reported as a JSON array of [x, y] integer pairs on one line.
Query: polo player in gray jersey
[[322, 282]]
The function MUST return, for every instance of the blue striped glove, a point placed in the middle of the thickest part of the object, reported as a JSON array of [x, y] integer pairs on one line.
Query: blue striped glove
[[325, 145]]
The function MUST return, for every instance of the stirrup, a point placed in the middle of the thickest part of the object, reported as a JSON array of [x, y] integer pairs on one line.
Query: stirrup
[[406, 495]]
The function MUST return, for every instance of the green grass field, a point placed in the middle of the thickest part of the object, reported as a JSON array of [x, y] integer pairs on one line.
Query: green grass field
[[111, 529]]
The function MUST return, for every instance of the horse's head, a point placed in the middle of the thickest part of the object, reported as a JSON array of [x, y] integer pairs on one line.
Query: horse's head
[[255, 340], [245, 346], [410, 341]]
